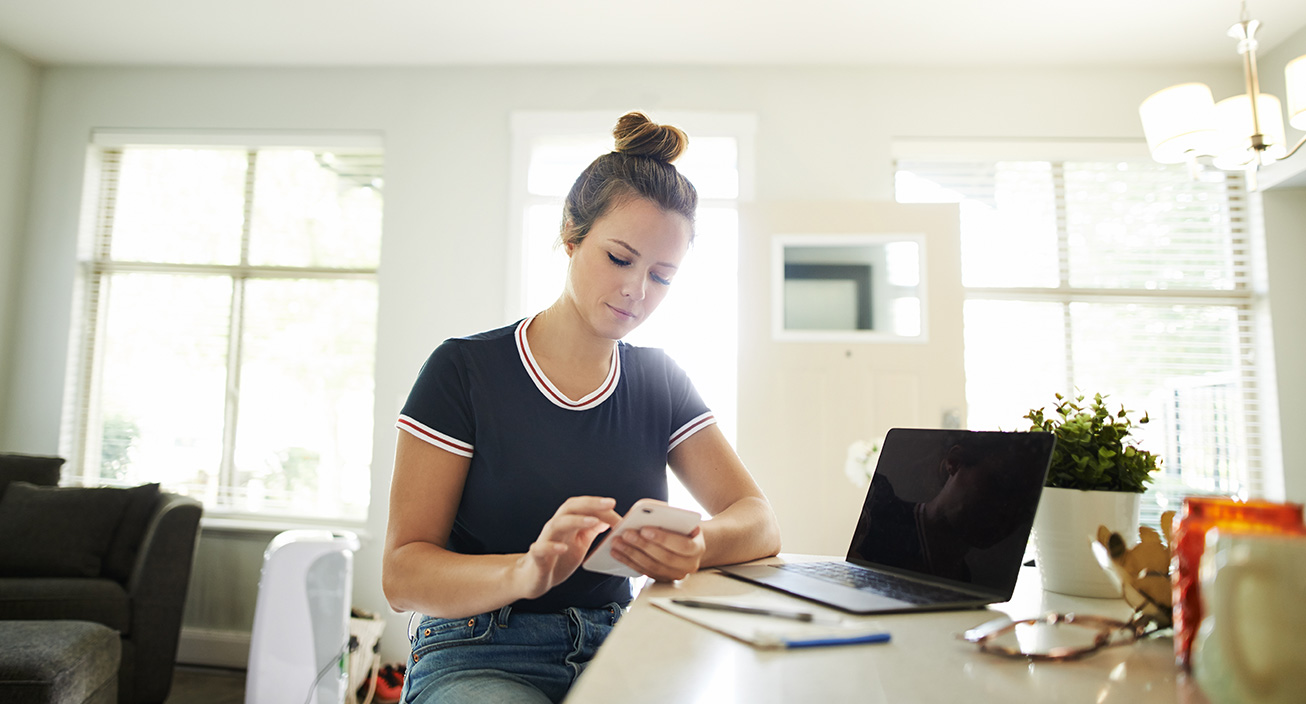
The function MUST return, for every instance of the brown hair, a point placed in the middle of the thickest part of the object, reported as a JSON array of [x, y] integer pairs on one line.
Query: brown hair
[[639, 167]]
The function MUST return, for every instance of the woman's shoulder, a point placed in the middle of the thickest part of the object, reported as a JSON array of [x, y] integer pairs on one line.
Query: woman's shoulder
[[497, 334], [649, 359], [640, 353], [455, 350]]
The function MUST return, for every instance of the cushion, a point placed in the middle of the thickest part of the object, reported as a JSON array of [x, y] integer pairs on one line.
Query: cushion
[[121, 557], [57, 532], [96, 599], [58, 661], [36, 469]]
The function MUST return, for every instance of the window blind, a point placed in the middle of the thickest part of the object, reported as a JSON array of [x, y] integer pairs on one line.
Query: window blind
[[1126, 278]]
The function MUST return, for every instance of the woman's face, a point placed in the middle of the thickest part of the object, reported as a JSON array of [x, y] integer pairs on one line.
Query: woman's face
[[623, 268]]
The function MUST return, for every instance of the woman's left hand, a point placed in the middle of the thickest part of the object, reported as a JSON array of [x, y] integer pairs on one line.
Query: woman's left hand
[[660, 554]]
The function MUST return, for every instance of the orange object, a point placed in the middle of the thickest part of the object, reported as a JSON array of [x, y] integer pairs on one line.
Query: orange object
[[1200, 514]]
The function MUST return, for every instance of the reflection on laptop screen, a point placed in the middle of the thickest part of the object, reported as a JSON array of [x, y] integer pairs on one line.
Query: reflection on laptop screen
[[960, 509]]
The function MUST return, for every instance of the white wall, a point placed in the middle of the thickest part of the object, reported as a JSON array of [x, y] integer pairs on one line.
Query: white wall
[[1270, 71], [823, 134], [18, 84], [1285, 234]]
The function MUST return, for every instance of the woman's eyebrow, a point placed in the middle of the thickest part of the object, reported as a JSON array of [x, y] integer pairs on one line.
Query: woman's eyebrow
[[635, 252]]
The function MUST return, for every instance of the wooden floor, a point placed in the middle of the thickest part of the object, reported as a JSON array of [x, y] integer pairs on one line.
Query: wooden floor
[[207, 685], [193, 684]]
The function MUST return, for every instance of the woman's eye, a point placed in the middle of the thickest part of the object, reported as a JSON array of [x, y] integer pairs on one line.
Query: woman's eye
[[660, 279], [618, 262]]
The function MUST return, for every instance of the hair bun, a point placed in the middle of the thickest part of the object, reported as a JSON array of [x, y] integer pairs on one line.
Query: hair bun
[[639, 136]]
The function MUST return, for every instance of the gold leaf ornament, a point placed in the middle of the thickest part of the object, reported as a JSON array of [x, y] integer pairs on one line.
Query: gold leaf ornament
[[1143, 571]]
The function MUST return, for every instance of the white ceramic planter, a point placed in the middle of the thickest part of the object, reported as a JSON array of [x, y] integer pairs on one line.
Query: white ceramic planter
[[1064, 530]]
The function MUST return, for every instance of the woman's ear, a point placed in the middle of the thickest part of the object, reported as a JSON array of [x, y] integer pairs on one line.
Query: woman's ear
[[567, 241]]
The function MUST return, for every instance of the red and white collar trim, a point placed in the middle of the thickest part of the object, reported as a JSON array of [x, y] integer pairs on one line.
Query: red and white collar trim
[[550, 391]]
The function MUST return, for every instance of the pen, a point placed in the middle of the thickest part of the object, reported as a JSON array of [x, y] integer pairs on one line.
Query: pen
[[737, 608], [851, 640]]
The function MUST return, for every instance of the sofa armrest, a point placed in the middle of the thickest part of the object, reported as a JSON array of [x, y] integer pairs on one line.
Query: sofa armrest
[[157, 591]]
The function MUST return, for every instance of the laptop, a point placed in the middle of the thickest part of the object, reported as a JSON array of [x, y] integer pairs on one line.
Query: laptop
[[944, 526]]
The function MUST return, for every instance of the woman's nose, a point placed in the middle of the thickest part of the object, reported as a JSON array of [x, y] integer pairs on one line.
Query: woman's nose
[[633, 286]]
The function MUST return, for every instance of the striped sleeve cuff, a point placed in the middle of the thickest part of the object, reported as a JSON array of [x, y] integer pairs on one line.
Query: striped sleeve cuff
[[434, 437], [690, 428]]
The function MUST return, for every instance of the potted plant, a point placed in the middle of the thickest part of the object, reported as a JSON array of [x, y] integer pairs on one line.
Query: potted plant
[[1096, 478]]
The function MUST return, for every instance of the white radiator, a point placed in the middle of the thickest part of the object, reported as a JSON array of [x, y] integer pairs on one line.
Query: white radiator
[[219, 612]]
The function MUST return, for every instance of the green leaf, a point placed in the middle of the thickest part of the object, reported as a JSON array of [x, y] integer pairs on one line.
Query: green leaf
[[1091, 452]]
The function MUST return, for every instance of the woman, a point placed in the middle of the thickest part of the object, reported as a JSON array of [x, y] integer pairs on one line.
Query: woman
[[522, 445]]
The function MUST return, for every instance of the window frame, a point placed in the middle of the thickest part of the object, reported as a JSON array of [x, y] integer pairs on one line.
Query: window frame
[[85, 365], [1246, 298]]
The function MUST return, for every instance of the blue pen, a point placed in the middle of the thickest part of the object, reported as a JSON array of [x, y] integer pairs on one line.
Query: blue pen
[[850, 640]]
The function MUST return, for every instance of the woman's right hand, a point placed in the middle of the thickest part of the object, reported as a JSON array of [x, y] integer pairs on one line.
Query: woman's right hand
[[564, 541]]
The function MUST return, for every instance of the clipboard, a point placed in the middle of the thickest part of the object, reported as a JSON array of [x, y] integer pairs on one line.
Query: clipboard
[[826, 629]]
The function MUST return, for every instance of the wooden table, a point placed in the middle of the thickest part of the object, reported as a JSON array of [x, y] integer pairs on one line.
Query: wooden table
[[654, 656]]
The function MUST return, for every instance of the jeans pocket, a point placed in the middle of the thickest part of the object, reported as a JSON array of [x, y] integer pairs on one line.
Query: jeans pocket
[[439, 633], [436, 653]]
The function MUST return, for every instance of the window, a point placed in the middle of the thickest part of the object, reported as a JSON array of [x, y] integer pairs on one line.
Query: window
[[697, 323], [228, 322], [1122, 277]]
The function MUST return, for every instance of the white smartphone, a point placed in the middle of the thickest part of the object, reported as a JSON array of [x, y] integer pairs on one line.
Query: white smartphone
[[645, 512]]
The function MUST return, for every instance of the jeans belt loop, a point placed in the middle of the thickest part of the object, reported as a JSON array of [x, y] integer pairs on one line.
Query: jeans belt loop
[[412, 626]]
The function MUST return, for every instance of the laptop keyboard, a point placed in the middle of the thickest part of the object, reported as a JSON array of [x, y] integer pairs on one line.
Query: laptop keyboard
[[857, 577]]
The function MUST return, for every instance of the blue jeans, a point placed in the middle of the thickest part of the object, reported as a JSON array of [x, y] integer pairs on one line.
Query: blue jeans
[[504, 656]]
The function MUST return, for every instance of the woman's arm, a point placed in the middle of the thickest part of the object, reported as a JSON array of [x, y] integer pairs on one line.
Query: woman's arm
[[743, 526], [419, 574]]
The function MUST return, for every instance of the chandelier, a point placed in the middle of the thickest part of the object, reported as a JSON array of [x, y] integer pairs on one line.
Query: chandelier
[[1183, 123]]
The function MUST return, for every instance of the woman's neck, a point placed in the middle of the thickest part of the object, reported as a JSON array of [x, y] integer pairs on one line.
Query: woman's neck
[[559, 335]]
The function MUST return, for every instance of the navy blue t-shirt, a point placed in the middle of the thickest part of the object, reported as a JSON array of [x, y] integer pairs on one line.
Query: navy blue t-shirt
[[531, 447]]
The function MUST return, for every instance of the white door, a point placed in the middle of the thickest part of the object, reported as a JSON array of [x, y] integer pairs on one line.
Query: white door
[[802, 403]]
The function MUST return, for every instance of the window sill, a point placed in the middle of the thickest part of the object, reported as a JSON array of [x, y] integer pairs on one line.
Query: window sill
[[234, 524]]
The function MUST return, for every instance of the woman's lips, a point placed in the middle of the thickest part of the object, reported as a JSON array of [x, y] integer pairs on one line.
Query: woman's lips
[[622, 313]]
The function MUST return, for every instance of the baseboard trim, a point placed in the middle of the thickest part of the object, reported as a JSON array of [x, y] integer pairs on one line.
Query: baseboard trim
[[214, 648]]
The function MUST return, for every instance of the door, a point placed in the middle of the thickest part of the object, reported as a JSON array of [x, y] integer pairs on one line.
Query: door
[[802, 403]]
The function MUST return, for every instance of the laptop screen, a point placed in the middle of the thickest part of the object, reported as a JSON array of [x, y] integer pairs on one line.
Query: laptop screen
[[953, 504]]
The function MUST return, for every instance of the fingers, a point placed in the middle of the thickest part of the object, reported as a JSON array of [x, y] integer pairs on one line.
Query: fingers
[[660, 554], [563, 542], [572, 523], [580, 519], [600, 507], [662, 543]]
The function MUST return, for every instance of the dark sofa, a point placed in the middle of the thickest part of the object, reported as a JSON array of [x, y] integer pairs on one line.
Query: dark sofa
[[118, 557]]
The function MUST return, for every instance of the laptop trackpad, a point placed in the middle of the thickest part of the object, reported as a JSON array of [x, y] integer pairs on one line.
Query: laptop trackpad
[[838, 596]]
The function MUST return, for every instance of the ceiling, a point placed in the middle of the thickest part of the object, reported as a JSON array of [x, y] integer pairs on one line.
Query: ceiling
[[612, 32]]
